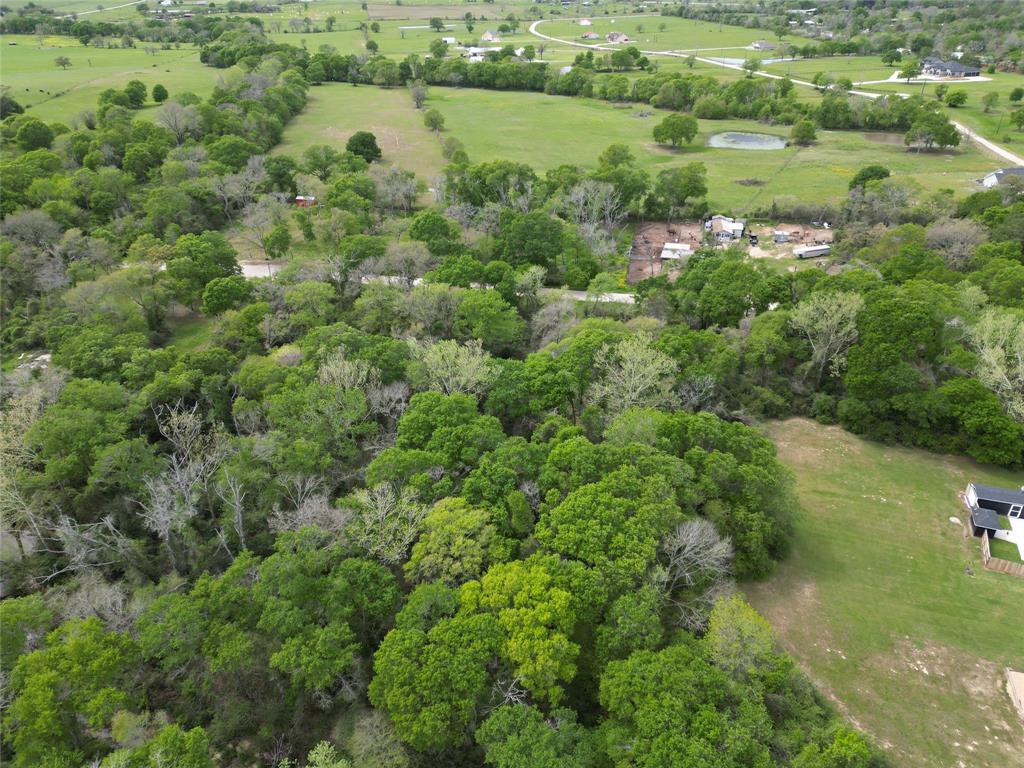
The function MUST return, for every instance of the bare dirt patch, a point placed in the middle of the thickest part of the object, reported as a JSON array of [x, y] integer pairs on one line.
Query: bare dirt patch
[[648, 241]]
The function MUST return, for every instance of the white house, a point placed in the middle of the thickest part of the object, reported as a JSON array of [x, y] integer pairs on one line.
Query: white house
[[490, 37], [998, 177], [449, 40], [724, 228], [585, 22]]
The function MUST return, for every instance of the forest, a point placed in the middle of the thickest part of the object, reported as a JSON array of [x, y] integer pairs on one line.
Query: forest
[[411, 503]]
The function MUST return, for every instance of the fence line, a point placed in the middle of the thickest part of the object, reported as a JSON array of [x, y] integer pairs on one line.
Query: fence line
[[997, 564]]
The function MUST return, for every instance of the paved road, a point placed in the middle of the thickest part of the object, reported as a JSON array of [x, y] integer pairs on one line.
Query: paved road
[[989, 146]]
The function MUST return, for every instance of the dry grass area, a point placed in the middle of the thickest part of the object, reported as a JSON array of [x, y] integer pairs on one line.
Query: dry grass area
[[886, 606]]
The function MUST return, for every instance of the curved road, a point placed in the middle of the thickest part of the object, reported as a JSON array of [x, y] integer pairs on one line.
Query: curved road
[[991, 146]]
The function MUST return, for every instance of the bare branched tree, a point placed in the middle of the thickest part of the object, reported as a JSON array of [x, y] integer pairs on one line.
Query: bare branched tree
[[449, 367], [632, 373], [594, 204], [829, 323], [85, 545], [232, 494], [179, 120], [173, 497], [385, 521], [694, 571], [336, 370], [694, 554], [552, 321], [697, 391], [998, 339], [313, 511]]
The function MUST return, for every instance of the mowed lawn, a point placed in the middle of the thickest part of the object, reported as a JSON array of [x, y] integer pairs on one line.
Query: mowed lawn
[[856, 68], [876, 604], [51, 93], [547, 131], [337, 110]]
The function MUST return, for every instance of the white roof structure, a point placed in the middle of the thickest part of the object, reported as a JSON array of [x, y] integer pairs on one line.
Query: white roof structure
[[585, 22], [675, 251]]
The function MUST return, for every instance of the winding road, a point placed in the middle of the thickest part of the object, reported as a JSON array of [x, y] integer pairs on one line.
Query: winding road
[[968, 133]]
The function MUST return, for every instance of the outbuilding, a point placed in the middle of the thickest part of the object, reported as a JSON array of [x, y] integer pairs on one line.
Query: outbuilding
[[680, 252], [988, 502]]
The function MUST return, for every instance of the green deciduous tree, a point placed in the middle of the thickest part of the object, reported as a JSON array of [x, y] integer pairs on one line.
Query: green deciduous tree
[[457, 544], [363, 144], [675, 129], [67, 691]]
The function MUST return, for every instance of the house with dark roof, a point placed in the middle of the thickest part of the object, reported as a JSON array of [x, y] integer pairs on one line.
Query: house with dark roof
[[996, 178], [938, 68], [988, 502]]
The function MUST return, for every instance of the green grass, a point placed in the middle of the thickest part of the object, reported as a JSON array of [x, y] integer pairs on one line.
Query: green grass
[[337, 110], [875, 602], [189, 332], [1004, 549], [679, 34], [857, 68], [546, 131], [51, 93]]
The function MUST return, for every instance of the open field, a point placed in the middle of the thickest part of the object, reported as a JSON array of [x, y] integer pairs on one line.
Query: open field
[[546, 131], [678, 34], [856, 68], [337, 110], [876, 605], [51, 93]]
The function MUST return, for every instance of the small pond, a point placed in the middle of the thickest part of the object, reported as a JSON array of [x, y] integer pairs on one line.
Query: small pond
[[741, 140]]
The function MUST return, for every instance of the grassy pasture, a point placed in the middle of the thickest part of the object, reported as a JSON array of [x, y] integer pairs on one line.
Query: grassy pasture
[[679, 34], [546, 131], [876, 604], [857, 68], [337, 110], [51, 93]]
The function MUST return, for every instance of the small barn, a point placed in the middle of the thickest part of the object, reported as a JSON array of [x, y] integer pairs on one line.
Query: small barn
[[490, 37], [811, 251], [680, 252], [780, 236], [617, 37], [305, 201]]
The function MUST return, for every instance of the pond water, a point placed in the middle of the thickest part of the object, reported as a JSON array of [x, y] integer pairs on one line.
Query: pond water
[[741, 140]]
